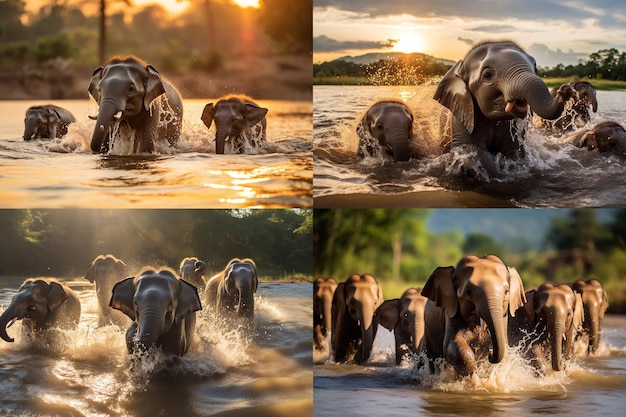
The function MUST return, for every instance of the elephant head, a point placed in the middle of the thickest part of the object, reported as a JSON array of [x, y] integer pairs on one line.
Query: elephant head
[[192, 270], [391, 124], [405, 316], [162, 307], [232, 115], [41, 122], [237, 288], [595, 302], [105, 271], [41, 303], [587, 97], [323, 290], [353, 327], [124, 89], [556, 311], [606, 137], [476, 289]]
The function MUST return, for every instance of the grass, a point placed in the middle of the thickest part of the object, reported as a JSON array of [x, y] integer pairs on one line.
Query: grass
[[293, 278]]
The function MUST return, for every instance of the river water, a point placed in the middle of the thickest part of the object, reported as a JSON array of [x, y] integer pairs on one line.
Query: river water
[[554, 173], [64, 173], [589, 386], [266, 372]]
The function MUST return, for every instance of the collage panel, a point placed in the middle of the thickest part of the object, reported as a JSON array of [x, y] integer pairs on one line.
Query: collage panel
[[155, 312], [469, 312]]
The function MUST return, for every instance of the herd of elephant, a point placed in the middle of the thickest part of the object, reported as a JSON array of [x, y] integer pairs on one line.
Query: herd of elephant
[[138, 109], [488, 92], [158, 306], [462, 315]]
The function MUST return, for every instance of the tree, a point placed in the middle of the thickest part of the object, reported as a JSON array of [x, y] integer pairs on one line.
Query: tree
[[289, 23], [482, 244]]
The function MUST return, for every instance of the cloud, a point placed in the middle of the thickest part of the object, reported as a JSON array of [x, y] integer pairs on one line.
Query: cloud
[[545, 57], [323, 43], [470, 42], [493, 28]]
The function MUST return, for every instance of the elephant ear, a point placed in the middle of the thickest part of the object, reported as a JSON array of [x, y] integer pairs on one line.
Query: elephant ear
[[122, 298], [56, 296], [453, 93], [53, 116], [93, 89], [440, 289], [154, 86], [189, 301], [254, 114], [387, 315], [529, 307], [207, 115], [199, 267], [579, 314], [517, 298]]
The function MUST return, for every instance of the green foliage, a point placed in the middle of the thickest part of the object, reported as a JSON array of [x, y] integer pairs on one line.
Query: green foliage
[[607, 64], [289, 23], [56, 46]]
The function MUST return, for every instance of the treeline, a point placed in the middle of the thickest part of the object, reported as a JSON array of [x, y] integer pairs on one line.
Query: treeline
[[397, 247], [403, 70], [199, 39], [607, 64], [62, 243]]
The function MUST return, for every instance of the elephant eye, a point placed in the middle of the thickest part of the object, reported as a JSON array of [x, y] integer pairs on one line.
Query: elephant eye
[[379, 126], [488, 75], [32, 308]]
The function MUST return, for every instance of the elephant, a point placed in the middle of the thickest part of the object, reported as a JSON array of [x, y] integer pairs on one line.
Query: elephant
[[162, 308], [42, 304], [231, 291], [595, 302], [486, 91], [352, 318], [323, 291], [551, 315], [192, 270], [607, 137], [47, 121], [578, 115], [239, 122], [106, 271], [477, 289], [405, 316], [137, 107], [386, 128]]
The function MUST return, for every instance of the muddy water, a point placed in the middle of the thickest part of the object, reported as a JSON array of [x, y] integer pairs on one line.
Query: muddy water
[[263, 372]]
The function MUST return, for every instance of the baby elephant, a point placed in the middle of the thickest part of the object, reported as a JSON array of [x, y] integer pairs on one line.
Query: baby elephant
[[46, 122], [232, 290], [163, 309], [41, 304], [606, 137], [239, 121], [387, 127]]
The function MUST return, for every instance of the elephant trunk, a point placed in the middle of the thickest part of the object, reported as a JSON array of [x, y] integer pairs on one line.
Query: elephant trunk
[[6, 320], [531, 88], [328, 305], [29, 132], [221, 135], [496, 324], [246, 300], [368, 332], [594, 330], [108, 113], [594, 104], [399, 143], [417, 331], [555, 329], [150, 327]]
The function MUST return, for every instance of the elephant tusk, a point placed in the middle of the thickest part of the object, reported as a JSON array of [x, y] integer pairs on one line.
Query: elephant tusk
[[118, 115], [92, 117], [101, 128], [12, 322], [509, 106]]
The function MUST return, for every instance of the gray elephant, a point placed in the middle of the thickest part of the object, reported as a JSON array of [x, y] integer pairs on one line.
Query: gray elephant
[[595, 302], [41, 304], [105, 271], [353, 328], [606, 137], [239, 122], [477, 289], [386, 128], [486, 91], [231, 291], [47, 122], [162, 308], [551, 315], [578, 115], [323, 291], [137, 108], [405, 316], [192, 270]]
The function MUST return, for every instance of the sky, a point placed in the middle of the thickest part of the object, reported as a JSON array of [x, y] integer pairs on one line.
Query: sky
[[552, 31]]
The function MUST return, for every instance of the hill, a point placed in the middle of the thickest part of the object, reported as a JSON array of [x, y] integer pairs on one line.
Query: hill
[[391, 56]]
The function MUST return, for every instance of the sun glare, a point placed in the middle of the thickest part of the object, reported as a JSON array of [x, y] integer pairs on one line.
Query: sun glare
[[408, 42], [172, 6], [247, 3]]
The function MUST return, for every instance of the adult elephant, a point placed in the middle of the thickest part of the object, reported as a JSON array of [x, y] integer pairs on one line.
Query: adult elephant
[[41, 304], [239, 121], [551, 315], [405, 316], [353, 328], [578, 115], [47, 121], [607, 137], [386, 129], [477, 289], [162, 308], [105, 271], [192, 270], [323, 291], [595, 302], [494, 84], [137, 107], [231, 291]]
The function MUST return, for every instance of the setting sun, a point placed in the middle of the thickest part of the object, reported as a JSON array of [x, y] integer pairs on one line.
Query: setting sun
[[409, 41], [247, 3]]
